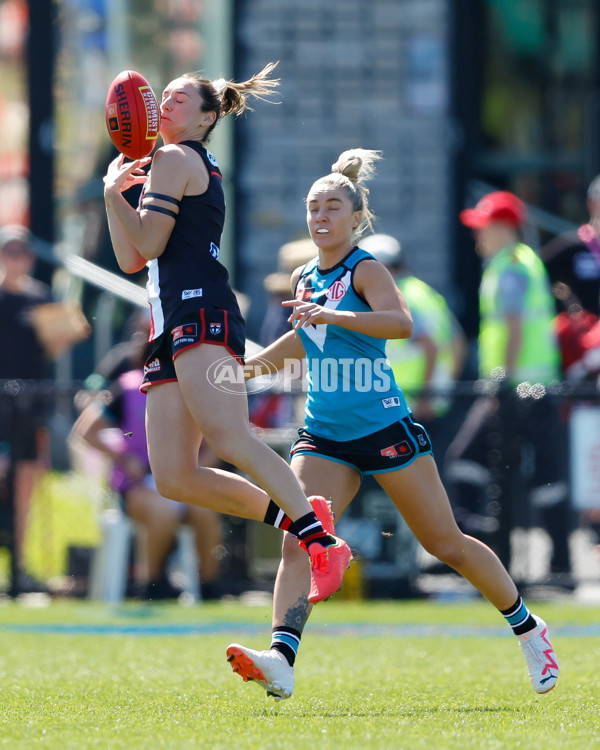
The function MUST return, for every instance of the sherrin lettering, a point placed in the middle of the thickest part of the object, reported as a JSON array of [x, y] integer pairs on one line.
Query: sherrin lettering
[[132, 115]]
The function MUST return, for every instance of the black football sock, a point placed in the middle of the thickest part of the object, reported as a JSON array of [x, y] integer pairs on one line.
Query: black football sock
[[309, 529], [286, 640], [519, 617], [277, 518]]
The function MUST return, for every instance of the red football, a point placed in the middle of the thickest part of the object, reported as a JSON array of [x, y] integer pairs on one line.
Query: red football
[[132, 115]]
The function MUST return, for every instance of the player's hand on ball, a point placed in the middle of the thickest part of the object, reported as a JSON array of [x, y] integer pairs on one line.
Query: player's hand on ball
[[123, 175]]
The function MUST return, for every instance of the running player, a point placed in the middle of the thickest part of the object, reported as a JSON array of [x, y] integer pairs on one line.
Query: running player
[[197, 329], [357, 422]]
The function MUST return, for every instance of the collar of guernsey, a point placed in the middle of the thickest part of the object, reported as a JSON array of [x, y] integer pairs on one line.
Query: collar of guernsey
[[351, 391]]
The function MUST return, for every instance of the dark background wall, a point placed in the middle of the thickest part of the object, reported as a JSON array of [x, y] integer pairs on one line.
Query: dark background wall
[[367, 73]]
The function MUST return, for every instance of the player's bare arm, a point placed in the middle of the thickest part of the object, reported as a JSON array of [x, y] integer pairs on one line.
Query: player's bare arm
[[390, 317], [172, 170], [119, 177], [142, 235], [275, 356]]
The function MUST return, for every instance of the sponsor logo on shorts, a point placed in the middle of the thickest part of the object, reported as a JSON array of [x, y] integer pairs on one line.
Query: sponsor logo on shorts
[[399, 449], [189, 329], [391, 401], [152, 366], [191, 293]]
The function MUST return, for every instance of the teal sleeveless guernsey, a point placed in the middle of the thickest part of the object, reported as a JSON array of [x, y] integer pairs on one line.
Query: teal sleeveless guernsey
[[351, 388]]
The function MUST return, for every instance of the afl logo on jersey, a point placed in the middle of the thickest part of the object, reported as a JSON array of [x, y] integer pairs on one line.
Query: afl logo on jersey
[[214, 251], [211, 159], [336, 291]]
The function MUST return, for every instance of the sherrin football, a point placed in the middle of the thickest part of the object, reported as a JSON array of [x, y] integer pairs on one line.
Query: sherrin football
[[132, 115]]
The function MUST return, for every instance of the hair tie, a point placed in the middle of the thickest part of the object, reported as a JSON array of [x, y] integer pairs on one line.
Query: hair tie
[[219, 85]]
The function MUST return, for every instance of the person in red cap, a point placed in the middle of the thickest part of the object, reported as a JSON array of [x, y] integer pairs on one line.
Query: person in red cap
[[518, 351], [497, 208]]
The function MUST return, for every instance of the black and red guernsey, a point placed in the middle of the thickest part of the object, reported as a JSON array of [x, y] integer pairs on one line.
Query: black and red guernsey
[[188, 275]]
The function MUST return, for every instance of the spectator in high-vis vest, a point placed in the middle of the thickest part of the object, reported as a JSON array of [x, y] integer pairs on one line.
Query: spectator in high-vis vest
[[508, 458]]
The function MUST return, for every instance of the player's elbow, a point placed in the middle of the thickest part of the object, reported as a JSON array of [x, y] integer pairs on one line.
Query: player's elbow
[[402, 328], [132, 265], [151, 248]]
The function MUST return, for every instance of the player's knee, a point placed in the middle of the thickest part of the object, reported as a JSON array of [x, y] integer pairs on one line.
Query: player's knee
[[449, 551], [168, 482], [229, 448], [291, 551]]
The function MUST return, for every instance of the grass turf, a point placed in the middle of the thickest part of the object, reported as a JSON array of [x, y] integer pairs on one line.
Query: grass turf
[[370, 675]]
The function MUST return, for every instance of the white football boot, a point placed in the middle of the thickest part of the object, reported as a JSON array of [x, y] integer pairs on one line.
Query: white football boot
[[269, 669], [540, 657]]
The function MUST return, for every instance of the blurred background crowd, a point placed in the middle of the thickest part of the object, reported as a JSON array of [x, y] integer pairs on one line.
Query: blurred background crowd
[[464, 98]]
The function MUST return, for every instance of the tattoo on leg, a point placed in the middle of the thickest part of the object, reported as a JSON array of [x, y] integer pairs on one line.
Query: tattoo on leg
[[297, 615]]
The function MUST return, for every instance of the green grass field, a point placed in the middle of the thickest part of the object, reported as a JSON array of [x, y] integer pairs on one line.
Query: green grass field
[[369, 675]]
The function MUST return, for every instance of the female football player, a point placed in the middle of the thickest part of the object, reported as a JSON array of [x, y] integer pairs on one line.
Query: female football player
[[357, 422], [193, 376]]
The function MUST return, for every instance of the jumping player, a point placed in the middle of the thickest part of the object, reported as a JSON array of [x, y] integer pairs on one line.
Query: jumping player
[[357, 422], [197, 329]]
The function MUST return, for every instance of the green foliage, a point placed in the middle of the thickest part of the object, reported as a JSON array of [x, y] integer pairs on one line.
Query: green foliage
[[356, 688]]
